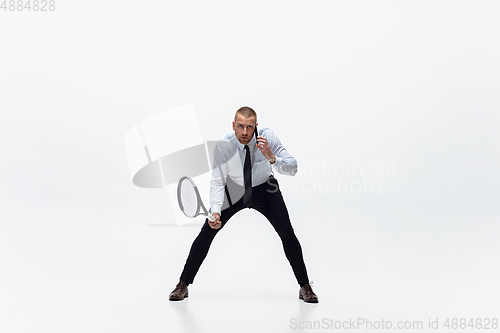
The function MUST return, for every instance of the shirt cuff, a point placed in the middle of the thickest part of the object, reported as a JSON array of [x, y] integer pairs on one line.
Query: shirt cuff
[[278, 163], [215, 209]]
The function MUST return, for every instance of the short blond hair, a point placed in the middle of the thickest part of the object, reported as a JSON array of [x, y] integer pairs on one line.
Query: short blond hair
[[246, 112]]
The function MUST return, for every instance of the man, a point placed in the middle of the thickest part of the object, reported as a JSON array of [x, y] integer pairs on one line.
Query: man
[[244, 160]]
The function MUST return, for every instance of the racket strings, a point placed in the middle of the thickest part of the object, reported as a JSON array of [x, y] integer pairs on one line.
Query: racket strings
[[189, 199]]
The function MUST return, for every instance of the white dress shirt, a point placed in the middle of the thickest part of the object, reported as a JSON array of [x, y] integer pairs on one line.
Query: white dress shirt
[[229, 158]]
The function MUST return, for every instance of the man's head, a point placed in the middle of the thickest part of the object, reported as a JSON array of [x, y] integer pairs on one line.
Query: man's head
[[245, 121]]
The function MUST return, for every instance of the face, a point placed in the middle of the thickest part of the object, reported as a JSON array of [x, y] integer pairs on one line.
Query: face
[[243, 128]]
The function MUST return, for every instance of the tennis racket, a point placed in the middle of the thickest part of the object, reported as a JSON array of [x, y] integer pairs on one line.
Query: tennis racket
[[190, 200]]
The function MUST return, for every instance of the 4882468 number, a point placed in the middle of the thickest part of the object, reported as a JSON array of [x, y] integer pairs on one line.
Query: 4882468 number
[[28, 5]]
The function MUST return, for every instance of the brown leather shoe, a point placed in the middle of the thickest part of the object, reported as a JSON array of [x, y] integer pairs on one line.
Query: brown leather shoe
[[307, 294], [180, 292]]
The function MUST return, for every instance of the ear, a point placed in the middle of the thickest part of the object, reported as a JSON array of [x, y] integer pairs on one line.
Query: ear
[[233, 125]]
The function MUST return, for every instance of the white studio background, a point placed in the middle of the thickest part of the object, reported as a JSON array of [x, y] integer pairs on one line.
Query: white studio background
[[399, 96]]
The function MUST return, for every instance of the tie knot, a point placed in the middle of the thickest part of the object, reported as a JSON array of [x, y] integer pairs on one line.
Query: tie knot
[[246, 147]]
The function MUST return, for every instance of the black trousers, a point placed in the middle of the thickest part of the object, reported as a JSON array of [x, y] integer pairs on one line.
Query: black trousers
[[267, 199]]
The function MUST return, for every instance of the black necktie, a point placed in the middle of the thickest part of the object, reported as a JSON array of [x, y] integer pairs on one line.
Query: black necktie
[[247, 176]]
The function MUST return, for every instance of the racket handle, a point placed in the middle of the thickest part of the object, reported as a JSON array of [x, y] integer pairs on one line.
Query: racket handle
[[211, 218]]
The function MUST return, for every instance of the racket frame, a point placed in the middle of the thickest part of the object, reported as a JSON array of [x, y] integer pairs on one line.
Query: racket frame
[[200, 205]]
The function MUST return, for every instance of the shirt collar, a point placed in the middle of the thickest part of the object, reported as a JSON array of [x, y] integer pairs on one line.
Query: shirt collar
[[241, 146]]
